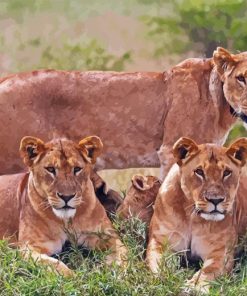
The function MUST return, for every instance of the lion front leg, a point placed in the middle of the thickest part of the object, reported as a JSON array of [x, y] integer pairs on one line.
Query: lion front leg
[[212, 268], [154, 255], [118, 251], [55, 264], [110, 241], [107, 239], [166, 159]]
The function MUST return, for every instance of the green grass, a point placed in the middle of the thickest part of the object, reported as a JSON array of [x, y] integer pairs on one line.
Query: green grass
[[92, 277]]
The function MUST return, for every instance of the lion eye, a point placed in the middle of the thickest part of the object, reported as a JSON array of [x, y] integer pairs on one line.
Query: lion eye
[[241, 78], [199, 173], [227, 173], [77, 170], [51, 170]]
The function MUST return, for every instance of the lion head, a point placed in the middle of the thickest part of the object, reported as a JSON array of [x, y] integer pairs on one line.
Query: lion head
[[140, 198], [210, 175], [60, 170], [232, 69]]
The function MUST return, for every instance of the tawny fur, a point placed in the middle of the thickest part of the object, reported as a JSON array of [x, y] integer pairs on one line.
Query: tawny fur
[[183, 218], [140, 198], [133, 113], [32, 205]]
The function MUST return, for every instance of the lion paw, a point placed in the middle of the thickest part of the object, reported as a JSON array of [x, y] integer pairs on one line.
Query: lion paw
[[64, 270], [195, 287], [119, 259]]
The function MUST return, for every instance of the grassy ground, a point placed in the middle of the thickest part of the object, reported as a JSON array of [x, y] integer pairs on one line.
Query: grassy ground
[[92, 277]]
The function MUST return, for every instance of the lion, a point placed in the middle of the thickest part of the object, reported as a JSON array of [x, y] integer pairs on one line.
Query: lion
[[201, 207], [140, 198], [55, 202], [133, 113]]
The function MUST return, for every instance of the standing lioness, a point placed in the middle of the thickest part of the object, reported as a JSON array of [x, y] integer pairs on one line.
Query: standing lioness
[[56, 202], [133, 113], [201, 207]]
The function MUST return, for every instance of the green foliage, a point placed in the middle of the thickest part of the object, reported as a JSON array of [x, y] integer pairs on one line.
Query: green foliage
[[237, 131], [60, 42], [199, 25], [82, 56]]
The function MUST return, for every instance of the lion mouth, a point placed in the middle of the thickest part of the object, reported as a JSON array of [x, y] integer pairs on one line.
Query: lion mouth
[[67, 207], [215, 211], [214, 215]]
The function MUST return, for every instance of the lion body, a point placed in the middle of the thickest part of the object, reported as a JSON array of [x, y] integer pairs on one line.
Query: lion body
[[10, 205], [133, 113]]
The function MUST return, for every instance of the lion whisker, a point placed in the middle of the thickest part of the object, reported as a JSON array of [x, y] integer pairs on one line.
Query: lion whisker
[[44, 205], [189, 206]]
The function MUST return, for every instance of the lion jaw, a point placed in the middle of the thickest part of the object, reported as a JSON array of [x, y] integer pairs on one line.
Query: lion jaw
[[212, 216], [64, 214]]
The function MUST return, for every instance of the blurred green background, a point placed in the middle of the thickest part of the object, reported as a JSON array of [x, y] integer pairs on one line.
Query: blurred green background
[[129, 35]]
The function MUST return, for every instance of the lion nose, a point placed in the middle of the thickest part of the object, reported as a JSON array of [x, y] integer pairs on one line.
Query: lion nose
[[66, 198], [215, 201]]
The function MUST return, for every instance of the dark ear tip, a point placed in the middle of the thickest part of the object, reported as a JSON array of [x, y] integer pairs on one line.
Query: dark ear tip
[[30, 151], [182, 152], [239, 154]]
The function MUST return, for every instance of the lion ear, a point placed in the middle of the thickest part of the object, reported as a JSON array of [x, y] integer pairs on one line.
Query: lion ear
[[238, 151], [30, 149], [223, 59], [141, 182], [184, 149], [91, 148]]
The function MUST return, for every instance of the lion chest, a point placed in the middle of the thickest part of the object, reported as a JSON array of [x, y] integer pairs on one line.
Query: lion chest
[[54, 246], [197, 247], [199, 241]]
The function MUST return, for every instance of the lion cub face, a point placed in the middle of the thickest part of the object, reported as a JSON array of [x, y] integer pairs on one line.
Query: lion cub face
[[233, 73], [60, 170], [210, 175]]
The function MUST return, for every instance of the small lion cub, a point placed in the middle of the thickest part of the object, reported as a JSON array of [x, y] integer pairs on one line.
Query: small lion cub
[[140, 198], [56, 201]]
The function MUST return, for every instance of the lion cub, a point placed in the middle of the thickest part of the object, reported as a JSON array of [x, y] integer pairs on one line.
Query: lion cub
[[56, 202], [201, 207], [140, 198]]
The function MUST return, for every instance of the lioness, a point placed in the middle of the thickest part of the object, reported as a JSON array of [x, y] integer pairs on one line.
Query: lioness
[[133, 113], [201, 207], [56, 202]]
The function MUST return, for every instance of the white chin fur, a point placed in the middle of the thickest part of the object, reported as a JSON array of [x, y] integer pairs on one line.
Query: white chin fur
[[64, 214], [213, 217]]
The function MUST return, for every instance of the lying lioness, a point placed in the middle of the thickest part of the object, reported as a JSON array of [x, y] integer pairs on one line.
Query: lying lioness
[[56, 202], [140, 198], [201, 207]]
